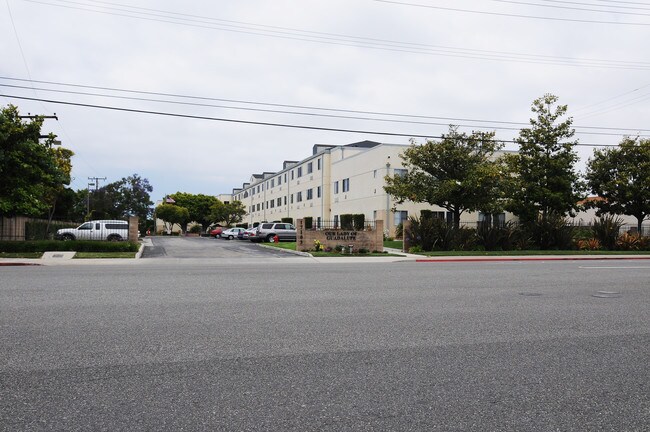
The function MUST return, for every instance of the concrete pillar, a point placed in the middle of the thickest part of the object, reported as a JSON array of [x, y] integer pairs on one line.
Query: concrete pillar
[[133, 228]]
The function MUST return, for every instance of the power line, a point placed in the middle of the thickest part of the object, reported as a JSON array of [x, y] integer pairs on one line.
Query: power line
[[511, 15], [490, 123], [525, 3], [250, 122], [341, 39]]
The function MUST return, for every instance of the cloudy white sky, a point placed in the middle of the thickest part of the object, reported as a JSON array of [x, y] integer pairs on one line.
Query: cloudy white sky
[[428, 63]]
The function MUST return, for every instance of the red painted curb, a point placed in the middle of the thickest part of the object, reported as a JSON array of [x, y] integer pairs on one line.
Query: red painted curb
[[531, 259], [15, 264]]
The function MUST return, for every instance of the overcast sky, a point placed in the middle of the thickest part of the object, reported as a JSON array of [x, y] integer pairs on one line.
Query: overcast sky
[[478, 63]]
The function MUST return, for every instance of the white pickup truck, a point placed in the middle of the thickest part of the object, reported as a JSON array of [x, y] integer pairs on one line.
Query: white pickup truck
[[111, 230]]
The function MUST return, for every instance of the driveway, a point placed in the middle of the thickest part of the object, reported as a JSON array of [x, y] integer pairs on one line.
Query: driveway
[[207, 247]]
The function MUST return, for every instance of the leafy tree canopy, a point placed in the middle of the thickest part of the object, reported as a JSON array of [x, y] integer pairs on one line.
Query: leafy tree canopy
[[173, 214], [621, 176], [544, 168], [120, 199], [32, 172], [229, 214], [199, 206], [458, 173]]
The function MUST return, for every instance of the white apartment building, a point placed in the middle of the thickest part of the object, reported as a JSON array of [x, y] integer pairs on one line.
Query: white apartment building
[[334, 180]]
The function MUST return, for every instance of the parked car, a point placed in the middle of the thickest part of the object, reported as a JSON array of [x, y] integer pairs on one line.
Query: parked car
[[111, 230], [267, 231], [216, 232], [247, 234], [231, 233]]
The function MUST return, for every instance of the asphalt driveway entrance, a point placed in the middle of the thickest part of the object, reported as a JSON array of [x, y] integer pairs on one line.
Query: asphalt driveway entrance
[[207, 247]]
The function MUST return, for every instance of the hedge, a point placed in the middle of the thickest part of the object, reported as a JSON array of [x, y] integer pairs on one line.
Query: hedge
[[74, 245]]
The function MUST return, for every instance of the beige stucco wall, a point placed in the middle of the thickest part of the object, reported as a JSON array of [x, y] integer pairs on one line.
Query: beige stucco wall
[[372, 240]]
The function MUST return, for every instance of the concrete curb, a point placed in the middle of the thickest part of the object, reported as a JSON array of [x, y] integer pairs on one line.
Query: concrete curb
[[293, 252]]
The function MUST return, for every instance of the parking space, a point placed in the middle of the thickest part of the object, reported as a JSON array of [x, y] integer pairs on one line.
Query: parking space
[[207, 247]]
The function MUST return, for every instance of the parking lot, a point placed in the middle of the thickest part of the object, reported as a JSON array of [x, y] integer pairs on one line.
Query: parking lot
[[207, 247]]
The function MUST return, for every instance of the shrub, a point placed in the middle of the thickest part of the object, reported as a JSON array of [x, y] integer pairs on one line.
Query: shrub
[[551, 232], [38, 229], [287, 220], [606, 228], [74, 245], [359, 221], [339, 248], [318, 246], [309, 222], [399, 230], [347, 221], [364, 251], [196, 229], [415, 249], [589, 244], [628, 242], [496, 237]]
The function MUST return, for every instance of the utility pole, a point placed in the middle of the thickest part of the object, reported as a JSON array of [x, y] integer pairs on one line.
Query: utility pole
[[95, 182]]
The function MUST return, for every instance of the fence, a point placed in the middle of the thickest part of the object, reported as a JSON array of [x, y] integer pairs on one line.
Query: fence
[[20, 228], [368, 225]]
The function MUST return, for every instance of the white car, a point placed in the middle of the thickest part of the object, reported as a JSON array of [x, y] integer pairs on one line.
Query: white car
[[111, 230], [231, 233]]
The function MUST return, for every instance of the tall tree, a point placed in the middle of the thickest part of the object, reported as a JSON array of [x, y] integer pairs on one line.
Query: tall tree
[[120, 199], [621, 176], [544, 168], [458, 173], [172, 214], [229, 214], [29, 169], [199, 206]]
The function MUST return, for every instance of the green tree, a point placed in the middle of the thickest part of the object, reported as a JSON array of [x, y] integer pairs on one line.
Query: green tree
[[172, 214], [30, 170], [199, 206], [458, 173], [544, 168], [229, 214], [621, 176], [128, 196]]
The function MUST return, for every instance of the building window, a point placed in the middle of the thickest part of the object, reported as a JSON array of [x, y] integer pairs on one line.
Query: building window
[[272, 202], [258, 188], [279, 202], [318, 222], [400, 216], [285, 200], [346, 185], [400, 172], [272, 182], [310, 194], [374, 174], [318, 192], [299, 197], [310, 167], [336, 187], [291, 174], [291, 198], [299, 172], [318, 164], [258, 206], [279, 180], [285, 177]]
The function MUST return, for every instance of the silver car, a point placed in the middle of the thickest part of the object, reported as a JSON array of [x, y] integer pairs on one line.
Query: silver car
[[267, 231]]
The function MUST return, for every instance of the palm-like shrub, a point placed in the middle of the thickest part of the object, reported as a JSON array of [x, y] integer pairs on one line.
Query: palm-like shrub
[[606, 228]]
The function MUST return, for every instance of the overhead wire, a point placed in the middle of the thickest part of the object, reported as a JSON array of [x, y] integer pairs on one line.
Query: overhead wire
[[260, 123], [494, 124], [168, 17], [513, 15]]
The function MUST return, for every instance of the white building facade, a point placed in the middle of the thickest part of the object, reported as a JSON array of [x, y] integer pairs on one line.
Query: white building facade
[[334, 180]]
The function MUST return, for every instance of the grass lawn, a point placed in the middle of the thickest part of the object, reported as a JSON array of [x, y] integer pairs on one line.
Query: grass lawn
[[292, 246], [21, 254], [86, 255], [393, 244]]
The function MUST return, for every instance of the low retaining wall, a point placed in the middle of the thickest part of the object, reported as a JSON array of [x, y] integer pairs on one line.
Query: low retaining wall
[[370, 239]]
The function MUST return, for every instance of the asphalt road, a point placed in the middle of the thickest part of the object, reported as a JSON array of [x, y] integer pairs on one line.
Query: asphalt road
[[208, 248], [299, 347]]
